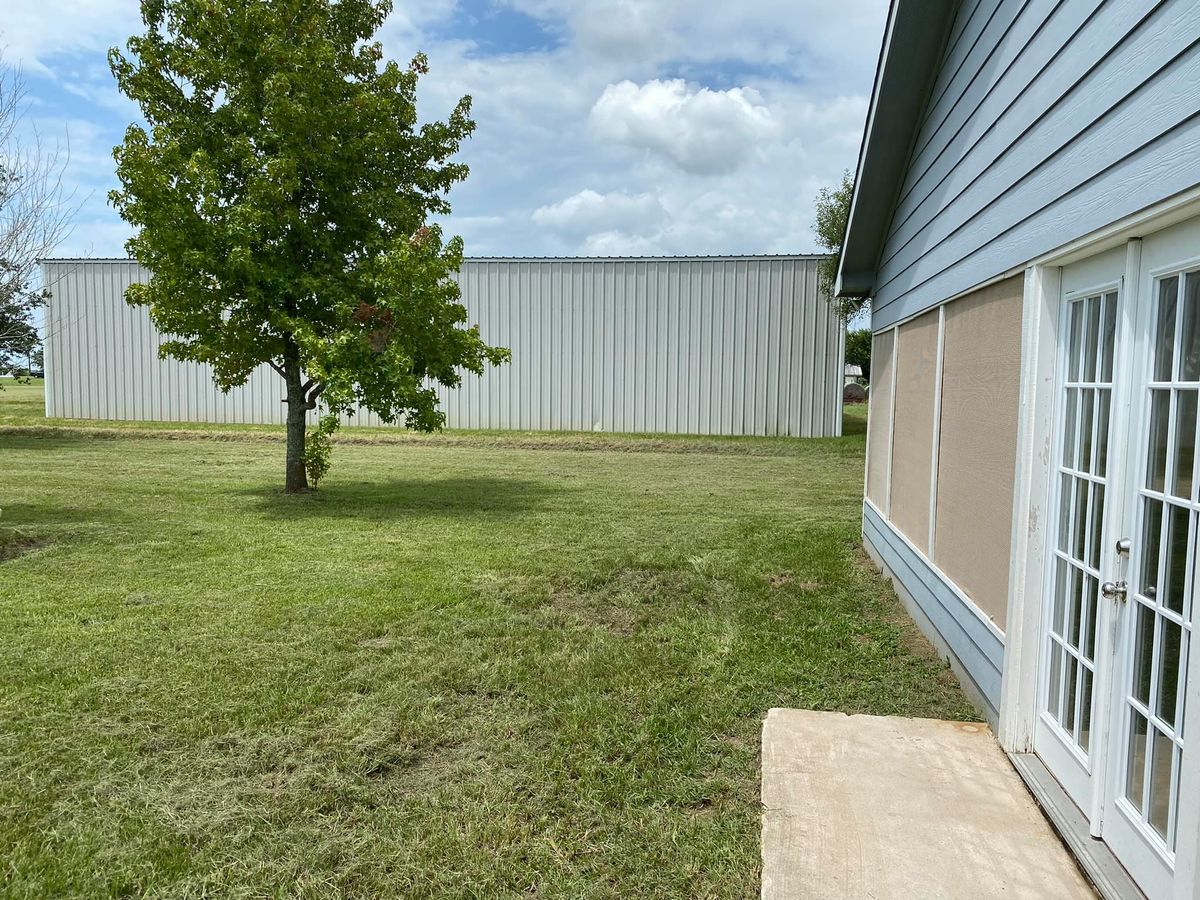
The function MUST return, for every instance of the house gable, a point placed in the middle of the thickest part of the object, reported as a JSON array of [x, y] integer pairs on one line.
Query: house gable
[[1045, 122]]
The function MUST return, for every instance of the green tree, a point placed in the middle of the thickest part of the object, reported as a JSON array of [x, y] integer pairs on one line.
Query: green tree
[[858, 351], [281, 190], [832, 215]]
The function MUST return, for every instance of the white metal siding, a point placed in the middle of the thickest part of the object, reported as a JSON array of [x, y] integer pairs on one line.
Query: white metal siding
[[722, 345], [1048, 120]]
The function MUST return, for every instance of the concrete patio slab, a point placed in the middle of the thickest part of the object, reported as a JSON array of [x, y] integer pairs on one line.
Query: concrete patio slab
[[887, 807]]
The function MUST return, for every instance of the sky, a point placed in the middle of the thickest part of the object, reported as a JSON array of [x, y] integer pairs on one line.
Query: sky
[[604, 127]]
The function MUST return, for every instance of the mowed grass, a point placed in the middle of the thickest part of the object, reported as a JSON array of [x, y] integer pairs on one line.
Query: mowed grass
[[471, 666]]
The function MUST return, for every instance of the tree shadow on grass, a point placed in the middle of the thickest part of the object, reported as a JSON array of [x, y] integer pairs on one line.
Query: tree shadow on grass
[[411, 497]]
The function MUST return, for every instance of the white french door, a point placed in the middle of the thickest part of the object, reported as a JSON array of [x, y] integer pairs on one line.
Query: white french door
[[1086, 465], [1146, 780], [1122, 573]]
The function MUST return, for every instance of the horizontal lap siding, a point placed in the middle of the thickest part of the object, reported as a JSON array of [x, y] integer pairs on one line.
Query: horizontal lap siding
[[1049, 119], [936, 605], [710, 346]]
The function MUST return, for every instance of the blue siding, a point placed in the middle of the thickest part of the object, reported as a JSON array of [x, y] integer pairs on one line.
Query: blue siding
[[979, 651], [1048, 120]]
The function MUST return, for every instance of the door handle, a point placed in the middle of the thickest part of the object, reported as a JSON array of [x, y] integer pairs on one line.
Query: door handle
[[1115, 590]]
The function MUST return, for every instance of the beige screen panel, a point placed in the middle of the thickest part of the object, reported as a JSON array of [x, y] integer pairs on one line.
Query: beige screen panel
[[912, 438], [879, 419], [981, 370]]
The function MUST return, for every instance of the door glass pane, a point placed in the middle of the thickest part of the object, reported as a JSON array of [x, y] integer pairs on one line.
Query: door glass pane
[[1152, 511], [1160, 417], [1085, 711], [1089, 633], [1053, 700], [1164, 344], [1075, 349], [1069, 427], [1109, 337], [1143, 654], [1062, 588], [1086, 405], [1185, 444], [1076, 610], [1066, 508], [1189, 360], [1136, 761], [1072, 676], [1094, 336], [1161, 772], [1083, 491], [1096, 517], [1169, 650], [1102, 397], [1175, 586]]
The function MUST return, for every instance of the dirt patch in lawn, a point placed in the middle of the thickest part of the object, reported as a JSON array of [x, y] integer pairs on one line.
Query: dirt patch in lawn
[[383, 642], [627, 599], [14, 545], [622, 601], [785, 579]]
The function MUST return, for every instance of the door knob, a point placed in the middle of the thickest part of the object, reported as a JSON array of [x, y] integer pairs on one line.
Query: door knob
[[1115, 590]]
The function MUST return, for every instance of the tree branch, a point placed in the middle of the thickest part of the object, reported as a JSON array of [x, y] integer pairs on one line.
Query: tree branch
[[311, 399], [35, 210]]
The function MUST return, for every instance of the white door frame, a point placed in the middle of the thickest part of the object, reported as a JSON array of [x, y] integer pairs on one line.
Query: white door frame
[[1032, 527]]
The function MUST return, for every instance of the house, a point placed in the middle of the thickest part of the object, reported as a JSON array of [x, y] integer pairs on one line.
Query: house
[[731, 345], [1026, 220]]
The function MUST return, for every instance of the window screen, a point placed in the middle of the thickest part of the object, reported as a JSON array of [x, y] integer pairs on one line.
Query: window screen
[[981, 370], [879, 421], [912, 443]]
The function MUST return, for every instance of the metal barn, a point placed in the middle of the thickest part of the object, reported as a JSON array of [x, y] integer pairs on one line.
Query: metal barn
[[695, 345]]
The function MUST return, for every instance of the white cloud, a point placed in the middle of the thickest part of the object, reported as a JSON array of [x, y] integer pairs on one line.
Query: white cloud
[[642, 126], [589, 212], [810, 38], [620, 243], [34, 32], [702, 131], [619, 29]]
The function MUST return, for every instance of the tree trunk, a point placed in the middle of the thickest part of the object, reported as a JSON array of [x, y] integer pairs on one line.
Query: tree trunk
[[296, 481]]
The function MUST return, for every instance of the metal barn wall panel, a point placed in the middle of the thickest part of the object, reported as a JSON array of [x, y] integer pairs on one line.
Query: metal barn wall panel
[[1048, 120], [722, 345]]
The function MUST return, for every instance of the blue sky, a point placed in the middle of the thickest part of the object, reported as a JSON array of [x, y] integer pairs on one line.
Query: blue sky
[[604, 126]]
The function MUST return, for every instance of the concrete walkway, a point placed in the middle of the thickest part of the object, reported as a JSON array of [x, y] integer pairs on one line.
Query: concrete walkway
[[884, 807]]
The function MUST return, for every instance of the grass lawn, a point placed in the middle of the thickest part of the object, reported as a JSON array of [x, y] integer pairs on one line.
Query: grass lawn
[[470, 666]]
